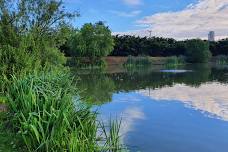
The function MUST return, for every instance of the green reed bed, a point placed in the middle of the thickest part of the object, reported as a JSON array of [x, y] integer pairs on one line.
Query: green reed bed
[[137, 62], [221, 60], [111, 136], [45, 111], [174, 61]]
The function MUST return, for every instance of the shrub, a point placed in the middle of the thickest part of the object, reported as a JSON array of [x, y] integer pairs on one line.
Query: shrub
[[16, 60], [197, 51]]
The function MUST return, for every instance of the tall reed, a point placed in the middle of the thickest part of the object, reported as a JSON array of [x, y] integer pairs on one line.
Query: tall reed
[[137, 62], [174, 61], [221, 60], [46, 111]]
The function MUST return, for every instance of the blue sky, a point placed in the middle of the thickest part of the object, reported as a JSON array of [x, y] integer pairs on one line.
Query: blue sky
[[139, 16]]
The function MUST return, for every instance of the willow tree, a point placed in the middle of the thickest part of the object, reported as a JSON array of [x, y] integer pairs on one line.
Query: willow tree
[[93, 41]]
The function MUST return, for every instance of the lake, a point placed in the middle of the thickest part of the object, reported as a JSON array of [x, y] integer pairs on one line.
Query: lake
[[163, 110]]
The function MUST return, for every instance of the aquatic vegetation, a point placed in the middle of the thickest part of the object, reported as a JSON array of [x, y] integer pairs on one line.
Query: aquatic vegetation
[[43, 113], [221, 60], [137, 62], [112, 138], [175, 61]]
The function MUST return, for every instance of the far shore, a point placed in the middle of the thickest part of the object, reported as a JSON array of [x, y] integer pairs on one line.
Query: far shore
[[120, 60]]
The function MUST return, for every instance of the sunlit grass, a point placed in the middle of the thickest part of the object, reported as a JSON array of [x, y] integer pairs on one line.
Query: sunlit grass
[[46, 112]]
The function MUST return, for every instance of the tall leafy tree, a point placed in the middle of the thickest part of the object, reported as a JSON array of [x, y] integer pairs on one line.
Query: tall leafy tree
[[198, 51], [28, 30], [92, 40]]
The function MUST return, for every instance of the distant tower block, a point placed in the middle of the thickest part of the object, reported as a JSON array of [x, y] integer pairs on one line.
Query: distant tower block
[[150, 32], [211, 36]]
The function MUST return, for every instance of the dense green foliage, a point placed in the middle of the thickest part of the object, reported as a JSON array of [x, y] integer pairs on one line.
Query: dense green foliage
[[92, 40], [154, 46], [219, 47], [43, 108], [9, 142], [197, 51], [47, 113], [30, 34], [137, 46]]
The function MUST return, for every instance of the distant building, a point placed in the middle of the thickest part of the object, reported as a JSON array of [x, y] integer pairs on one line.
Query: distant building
[[211, 36]]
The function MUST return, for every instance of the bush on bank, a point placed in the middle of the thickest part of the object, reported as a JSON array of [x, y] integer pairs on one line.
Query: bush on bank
[[197, 51]]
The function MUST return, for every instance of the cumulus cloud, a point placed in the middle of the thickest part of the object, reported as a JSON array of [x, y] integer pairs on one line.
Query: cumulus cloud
[[132, 2], [126, 14], [195, 21]]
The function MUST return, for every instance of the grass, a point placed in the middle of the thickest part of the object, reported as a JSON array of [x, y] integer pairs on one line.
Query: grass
[[45, 111], [222, 60], [9, 140], [110, 134], [174, 61], [2, 100], [137, 62]]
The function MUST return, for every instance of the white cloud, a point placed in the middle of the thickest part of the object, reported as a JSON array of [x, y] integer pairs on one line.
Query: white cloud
[[195, 21], [126, 14], [132, 2]]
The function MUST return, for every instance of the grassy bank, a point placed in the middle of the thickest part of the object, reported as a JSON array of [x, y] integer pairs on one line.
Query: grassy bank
[[116, 60], [46, 113]]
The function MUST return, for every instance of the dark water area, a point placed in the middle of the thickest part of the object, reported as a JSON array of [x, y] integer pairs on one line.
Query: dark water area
[[163, 110]]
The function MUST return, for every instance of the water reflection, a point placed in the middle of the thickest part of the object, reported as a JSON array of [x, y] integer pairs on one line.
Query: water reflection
[[162, 111], [129, 116], [209, 97], [100, 86]]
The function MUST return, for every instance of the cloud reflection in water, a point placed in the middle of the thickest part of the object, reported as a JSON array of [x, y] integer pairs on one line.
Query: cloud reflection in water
[[211, 98]]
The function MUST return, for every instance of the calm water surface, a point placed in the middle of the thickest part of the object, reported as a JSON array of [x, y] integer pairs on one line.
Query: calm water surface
[[164, 110]]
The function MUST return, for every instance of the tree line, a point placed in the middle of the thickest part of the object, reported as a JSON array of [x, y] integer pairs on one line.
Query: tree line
[[157, 46], [95, 41]]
